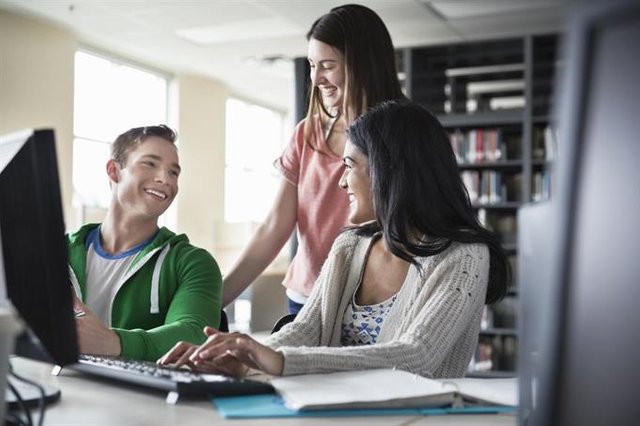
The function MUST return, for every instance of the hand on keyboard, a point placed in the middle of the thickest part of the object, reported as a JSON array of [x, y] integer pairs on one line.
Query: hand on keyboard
[[231, 354]]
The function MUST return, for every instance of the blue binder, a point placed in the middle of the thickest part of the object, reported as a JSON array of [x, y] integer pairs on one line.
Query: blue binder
[[269, 406]]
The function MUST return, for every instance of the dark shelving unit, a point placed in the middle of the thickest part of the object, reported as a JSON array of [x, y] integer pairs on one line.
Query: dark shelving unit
[[480, 119], [506, 87], [502, 165], [514, 205]]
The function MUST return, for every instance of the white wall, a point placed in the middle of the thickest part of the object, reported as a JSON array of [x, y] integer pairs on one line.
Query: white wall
[[201, 124], [36, 88]]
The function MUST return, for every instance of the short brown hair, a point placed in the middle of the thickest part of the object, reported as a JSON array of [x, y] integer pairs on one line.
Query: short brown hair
[[133, 137]]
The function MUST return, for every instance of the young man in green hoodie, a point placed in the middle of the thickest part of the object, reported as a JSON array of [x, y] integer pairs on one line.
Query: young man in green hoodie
[[140, 288]]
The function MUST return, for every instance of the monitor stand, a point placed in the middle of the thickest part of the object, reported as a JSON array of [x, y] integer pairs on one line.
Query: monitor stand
[[30, 396], [28, 345]]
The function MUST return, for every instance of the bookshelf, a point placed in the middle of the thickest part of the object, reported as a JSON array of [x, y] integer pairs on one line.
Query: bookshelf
[[494, 98]]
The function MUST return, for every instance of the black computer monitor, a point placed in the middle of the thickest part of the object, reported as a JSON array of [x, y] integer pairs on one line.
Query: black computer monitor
[[580, 255], [33, 247]]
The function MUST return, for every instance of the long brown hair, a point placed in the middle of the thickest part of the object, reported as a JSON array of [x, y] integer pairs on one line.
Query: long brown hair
[[369, 61]]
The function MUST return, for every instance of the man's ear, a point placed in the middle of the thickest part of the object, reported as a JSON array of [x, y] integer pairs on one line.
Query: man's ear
[[113, 170]]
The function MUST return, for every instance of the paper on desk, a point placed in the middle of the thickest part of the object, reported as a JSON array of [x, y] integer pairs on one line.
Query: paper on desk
[[380, 388], [487, 391], [10, 144]]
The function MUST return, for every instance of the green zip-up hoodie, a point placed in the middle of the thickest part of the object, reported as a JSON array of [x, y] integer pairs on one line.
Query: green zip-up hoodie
[[170, 292]]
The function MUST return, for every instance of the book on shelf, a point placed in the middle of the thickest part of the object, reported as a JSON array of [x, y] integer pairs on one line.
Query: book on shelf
[[482, 359], [544, 143], [550, 143], [486, 320], [485, 187], [495, 353], [478, 146], [509, 353], [471, 180], [541, 188], [390, 388]]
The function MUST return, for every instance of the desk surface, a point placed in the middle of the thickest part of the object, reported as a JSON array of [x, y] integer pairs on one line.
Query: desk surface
[[86, 401]]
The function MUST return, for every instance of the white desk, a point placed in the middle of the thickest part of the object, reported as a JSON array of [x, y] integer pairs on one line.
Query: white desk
[[86, 401]]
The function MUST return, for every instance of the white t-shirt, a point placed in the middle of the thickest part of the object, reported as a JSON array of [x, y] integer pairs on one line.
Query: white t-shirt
[[104, 274]]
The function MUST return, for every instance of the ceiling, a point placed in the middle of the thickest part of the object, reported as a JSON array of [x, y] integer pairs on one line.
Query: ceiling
[[248, 44]]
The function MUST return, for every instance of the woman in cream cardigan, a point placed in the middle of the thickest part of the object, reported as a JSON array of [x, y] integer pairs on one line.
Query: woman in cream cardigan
[[406, 289]]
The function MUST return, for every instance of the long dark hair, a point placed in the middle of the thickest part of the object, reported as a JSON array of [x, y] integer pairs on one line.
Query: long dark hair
[[369, 59], [417, 190]]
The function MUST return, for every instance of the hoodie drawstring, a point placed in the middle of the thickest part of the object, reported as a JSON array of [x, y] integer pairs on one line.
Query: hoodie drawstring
[[155, 282]]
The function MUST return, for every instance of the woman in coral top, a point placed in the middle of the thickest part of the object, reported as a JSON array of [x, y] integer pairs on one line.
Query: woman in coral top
[[353, 68]]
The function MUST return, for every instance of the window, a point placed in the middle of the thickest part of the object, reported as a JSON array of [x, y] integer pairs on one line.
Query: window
[[254, 138], [110, 98]]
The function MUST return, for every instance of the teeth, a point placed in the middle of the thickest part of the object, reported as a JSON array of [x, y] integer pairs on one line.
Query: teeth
[[156, 193], [328, 92]]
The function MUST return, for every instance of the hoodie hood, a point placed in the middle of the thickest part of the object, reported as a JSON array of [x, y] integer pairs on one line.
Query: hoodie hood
[[163, 237]]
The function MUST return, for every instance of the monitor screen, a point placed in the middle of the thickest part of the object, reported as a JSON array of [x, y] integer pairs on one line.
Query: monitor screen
[[33, 247], [580, 271]]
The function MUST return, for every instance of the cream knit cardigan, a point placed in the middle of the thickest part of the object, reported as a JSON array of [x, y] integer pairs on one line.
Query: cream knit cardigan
[[432, 329]]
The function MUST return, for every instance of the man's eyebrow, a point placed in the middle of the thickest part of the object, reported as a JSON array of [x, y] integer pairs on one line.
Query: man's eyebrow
[[159, 158], [152, 156]]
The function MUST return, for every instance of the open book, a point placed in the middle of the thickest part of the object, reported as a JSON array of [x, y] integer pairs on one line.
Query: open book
[[388, 388]]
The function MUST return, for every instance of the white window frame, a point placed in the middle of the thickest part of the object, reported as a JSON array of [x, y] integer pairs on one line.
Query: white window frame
[[250, 201], [97, 200]]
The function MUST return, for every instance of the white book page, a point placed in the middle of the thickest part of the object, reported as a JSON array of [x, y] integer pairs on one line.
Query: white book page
[[488, 391], [360, 388]]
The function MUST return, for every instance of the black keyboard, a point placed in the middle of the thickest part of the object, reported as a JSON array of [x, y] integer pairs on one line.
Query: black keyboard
[[181, 381]]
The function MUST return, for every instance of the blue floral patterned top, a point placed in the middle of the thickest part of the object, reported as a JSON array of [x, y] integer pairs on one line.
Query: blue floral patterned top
[[361, 325]]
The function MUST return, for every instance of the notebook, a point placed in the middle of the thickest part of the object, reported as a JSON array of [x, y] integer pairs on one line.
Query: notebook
[[272, 406], [177, 381], [389, 388]]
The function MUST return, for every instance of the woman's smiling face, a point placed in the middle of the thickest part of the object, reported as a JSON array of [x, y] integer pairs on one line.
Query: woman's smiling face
[[356, 180], [327, 72]]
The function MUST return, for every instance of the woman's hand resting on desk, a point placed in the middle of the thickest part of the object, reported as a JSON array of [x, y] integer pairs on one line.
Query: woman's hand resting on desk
[[225, 353], [93, 336]]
